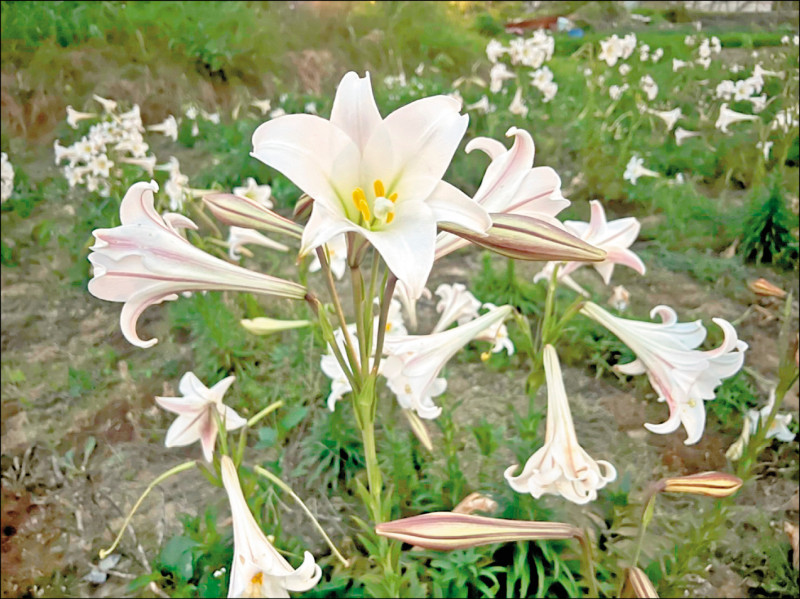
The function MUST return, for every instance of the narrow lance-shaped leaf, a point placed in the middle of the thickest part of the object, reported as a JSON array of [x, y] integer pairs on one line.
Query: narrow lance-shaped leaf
[[527, 238], [446, 531], [240, 211]]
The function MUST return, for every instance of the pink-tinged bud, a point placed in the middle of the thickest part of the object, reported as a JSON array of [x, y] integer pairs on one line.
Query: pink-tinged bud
[[637, 585], [475, 502], [765, 288], [240, 211], [447, 531], [711, 484], [527, 238]]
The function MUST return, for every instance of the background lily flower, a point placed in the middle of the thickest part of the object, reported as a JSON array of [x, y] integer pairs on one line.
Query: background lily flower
[[561, 466], [254, 191], [635, 169], [239, 236], [682, 376], [511, 185], [457, 304], [145, 261], [614, 237], [336, 251], [415, 361], [196, 419], [780, 425], [381, 178], [728, 117], [258, 570]]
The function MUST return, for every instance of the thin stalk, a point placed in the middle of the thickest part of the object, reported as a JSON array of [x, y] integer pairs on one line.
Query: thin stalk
[[337, 305], [104, 553], [373, 469], [265, 412], [327, 333], [588, 561], [357, 281], [274, 479], [373, 283], [388, 292]]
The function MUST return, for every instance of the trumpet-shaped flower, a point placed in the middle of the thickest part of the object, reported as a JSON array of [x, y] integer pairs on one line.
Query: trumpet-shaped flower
[[682, 375], [256, 192], [682, 134], [614, 237], [380, 178], [240, 236], [145, 261], [168, 127], [670, 117], [258, 570], [517, 106], [196, 419], [728, 117], [75, 116], [635, 169], [512, 185], [415, 361], [457, 304], [561, 466], [779, 429]]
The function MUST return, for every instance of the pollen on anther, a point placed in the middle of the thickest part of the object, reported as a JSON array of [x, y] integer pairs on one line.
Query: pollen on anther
[[393, 198], [258, 579], [389, 217], [380, 190]]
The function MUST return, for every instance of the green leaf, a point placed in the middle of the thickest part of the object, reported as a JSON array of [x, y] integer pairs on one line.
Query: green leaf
[[176, 556]]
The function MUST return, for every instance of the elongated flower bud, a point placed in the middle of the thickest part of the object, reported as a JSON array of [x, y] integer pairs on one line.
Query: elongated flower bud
[[527, 238], [637, 585], [302, 209], [264, 326], [240, 211], [419, 429], [446, 531], [765, 288], [711, 484]]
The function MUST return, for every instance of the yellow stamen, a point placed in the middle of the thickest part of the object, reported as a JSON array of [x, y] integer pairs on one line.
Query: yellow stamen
[[258, 579], [388, 326], [389, 217], [380, 190], [360, 200], [393, 198], [485, 356]]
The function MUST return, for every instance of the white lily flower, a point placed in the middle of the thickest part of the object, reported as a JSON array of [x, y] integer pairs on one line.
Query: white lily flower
[[167, 127], [196, 420], [682, 376], [615, 91], [678, 64], [481, 105], [108, 105], [620, 298], [147, 163], [409, 305], [670, 117], [765, 148], [497, 75], [239, 236], [494, 50], [614, 237], [682, 134], [511, 185], [457, 304], [649, 87], [635, 169], [498, 335], [258, 570], [780, 425], [7, 178], [74, 116], [380, 178], [561, 466], [611, 50], [336, 251], [415, 361], [517, 106], [728, 117], [254, 191]]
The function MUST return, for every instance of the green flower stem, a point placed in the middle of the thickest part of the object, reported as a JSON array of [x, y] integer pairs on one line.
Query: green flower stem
[[647, 515], [265, 412], [374, 477], [277, 481], [104, 553], [588, 563], [361, 313], [388, 292], [327, 334]]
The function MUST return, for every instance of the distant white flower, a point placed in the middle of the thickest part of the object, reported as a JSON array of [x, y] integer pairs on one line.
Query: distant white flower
[[254, 191], [74, 117], [278, 112], [649, 87], [670, 117], [611, 50], [7, 177], [481, 105], [780, 425], [728, 117], [498, 74], [494, 50], [682, 135], [636, 169], [657, 55], [240, 236], [615, 91], [168, 127], [620, 298], [624, 69], [264, 105], [517, 106], [336, 251], [678, 64], [549, 91], [765, 148], [456, 304]]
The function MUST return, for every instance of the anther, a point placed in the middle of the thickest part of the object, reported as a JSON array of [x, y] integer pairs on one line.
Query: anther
[[380, 190]]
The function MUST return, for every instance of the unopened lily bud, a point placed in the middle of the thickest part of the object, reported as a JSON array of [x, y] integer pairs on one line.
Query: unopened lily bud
[[765, 288], [711, 484], [302, 209], [447, 531], [244, 212], [419, 429], [265, 326], [475, 502], [793, 532], [637, 585], [526, 238]]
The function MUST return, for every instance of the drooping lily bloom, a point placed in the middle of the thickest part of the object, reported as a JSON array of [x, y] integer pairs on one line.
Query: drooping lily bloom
[[195, 410], [240, 236], [779, 429], [457, 304], [258, 570], [145, 261], [380, 178], [561, 466], [614, 237], [682, 375], [512, 185], [415, 361]]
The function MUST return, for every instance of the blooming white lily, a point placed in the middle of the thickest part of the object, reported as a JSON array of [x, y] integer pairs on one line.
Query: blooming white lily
[[457, 304], [517, 106], [635, 169], [498, 74], [240, 236], [682, 376], [75, 116], [780, 425], [682, 134], [561, 466], [512, 185], [254, 191], [258, 570], [145, 261], [729, 117], [670, 117], [168, 127], [336, 252], [415, 361], [614, 237], [196, 419], [380, 178]]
